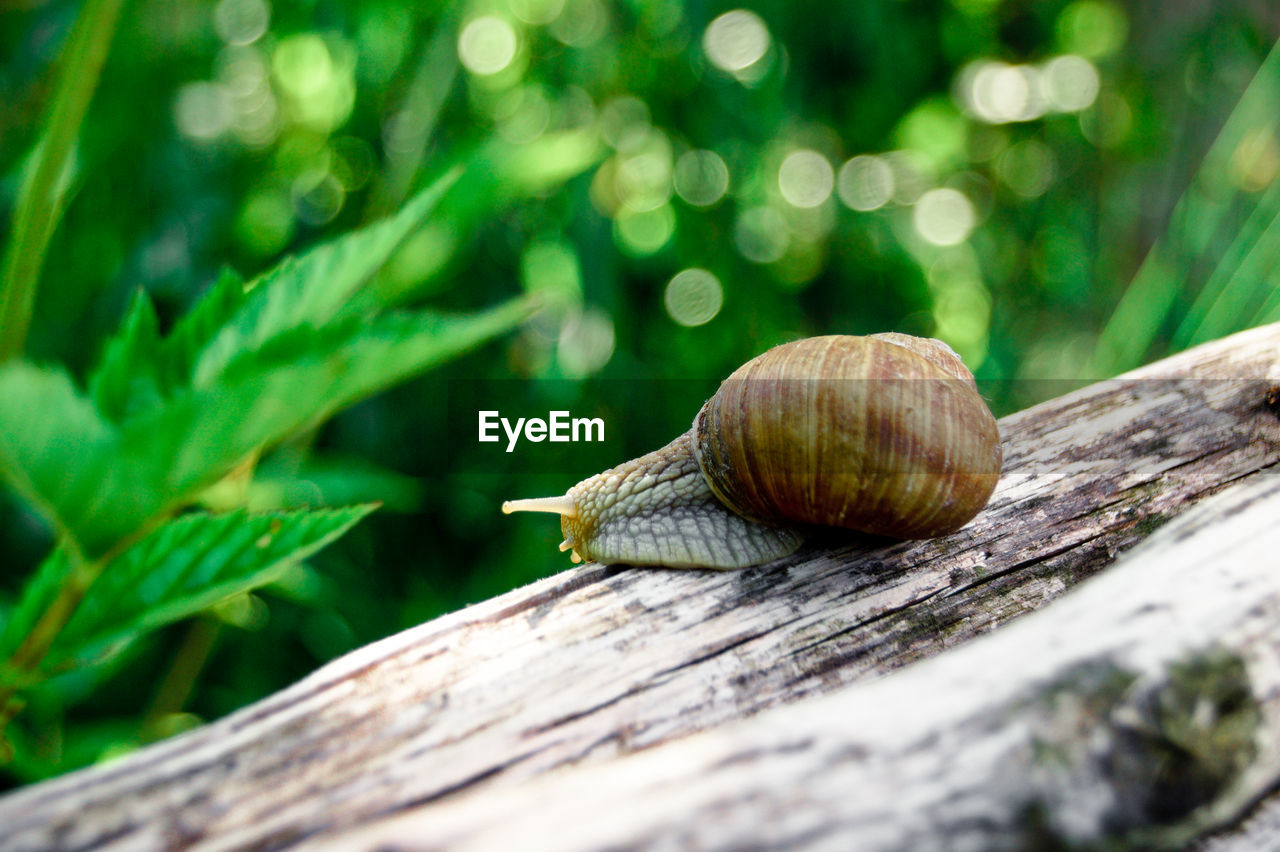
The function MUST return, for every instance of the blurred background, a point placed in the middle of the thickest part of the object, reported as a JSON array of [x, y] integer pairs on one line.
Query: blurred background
[[688, 182]]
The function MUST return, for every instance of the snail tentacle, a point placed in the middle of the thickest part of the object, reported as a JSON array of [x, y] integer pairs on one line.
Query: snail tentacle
[[562, 505]]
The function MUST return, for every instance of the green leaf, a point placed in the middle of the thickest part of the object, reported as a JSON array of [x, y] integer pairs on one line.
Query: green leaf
[[310, 290], [360, 356], [37, 594], [296, 381], [284, 481], [1207, 215], [126, 378], [191, 334], [185, 566], [55, 448], [102, 483]]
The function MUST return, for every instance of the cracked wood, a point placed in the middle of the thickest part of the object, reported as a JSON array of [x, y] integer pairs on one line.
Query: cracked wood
[[598, 662], [1138, 712]]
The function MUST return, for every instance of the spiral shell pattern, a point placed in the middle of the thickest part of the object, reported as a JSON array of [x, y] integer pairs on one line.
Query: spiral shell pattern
[[885, 434]]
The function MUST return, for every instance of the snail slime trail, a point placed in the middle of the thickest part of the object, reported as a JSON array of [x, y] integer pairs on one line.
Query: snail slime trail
[[559, 427], [917, 455]]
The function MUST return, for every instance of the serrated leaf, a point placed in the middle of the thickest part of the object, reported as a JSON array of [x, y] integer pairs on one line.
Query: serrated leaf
[[126, 378], [297, 381], [138, 369], [188, 564], [101, 483], [360, 356], [310, 290], [191, 334]]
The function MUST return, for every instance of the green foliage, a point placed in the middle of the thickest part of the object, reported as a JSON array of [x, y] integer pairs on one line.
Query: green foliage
[[293, 479], [127, 380], [1229, 221], [992, 174], [167, 416], [279, 363], [179, 569], [308, 292], [41, 202], [185, 566]]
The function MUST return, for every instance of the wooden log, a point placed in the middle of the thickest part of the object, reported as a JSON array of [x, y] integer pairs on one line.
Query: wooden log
[[1138, 710], [599, 661]]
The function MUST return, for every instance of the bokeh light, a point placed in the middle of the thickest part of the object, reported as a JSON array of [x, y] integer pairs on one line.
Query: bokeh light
[[806, 178], [643, 179], [760, 234], [936, 131], [736, 42], [1000, 93], [265, 223], [383, 39], [487, 45], [1092, 28], [317, 78], [641, 233], [523, 114], [701, 178], [1028, 168], [317, 197], [624, 122], [962, 317], [943, 216], [586, 343], [241, 22], [865, 182], [693, 297], [582, 23], [961, 304], [912, 175], [997, 92], [550, 267], [203, 110], [536, 12], [255, 110], [1070, 83]]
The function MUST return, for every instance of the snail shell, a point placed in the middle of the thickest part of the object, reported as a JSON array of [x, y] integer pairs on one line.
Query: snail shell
[[885, 434]]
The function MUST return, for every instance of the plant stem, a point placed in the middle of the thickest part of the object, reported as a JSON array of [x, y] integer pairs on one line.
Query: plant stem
[[37, 643], [188, 661], [40, 198]]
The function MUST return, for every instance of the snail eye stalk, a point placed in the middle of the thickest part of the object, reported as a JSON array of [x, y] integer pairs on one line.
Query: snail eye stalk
[[563, 505]]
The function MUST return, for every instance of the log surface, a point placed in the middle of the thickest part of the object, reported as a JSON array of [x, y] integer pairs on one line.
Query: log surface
[[1141, 709], [589, 665]]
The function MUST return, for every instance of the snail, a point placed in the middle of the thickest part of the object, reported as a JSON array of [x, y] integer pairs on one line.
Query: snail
[[884, 434]]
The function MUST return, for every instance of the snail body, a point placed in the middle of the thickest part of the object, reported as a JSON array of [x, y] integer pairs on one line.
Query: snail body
[[884, 434]]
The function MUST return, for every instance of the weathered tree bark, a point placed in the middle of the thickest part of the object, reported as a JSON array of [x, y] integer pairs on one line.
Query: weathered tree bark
[[1140, 709], [450, 720]]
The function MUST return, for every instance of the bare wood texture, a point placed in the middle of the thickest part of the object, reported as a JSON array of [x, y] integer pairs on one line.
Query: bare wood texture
[[597, 662], [1140, 708]]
